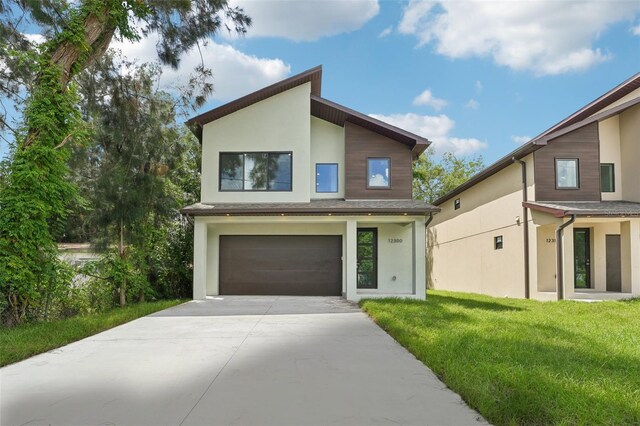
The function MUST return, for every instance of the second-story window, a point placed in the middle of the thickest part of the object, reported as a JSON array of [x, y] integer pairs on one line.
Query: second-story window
[[567, 174], [378, 173], [327, 177], [607, 180], [255, 171]]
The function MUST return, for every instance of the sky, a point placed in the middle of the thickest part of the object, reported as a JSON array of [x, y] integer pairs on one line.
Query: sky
[[475, 77]]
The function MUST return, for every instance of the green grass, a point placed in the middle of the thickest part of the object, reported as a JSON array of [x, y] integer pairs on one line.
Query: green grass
[[522, 361], [27, 340]]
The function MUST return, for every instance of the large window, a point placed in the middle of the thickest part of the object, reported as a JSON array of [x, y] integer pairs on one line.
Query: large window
[[607, 180], [327, 177], [567, 173], [378, 173], [255, 171]]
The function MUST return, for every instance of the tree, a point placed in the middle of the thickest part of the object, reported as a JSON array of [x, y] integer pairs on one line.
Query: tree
[[433, 179], [36, 195]]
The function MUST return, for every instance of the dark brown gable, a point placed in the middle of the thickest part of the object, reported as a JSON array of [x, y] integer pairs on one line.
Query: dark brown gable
[[361, 144], [582, 144]]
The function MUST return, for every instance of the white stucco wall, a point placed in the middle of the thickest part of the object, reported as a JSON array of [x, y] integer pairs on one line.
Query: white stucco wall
[[630, 153], [327, 146], [279, 123], [460, 251], [609, 134]]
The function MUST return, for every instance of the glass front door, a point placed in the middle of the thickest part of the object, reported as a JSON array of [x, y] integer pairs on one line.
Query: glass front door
[[582, 255], [367, 258]]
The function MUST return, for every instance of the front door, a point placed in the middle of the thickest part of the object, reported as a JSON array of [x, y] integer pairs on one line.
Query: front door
[[614, 264], [367, 258], [582, 254]]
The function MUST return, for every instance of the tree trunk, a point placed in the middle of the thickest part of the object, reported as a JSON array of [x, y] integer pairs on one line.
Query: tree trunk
[[123, 284]]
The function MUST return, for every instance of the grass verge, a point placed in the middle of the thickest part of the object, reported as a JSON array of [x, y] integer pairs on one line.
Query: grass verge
[[522, 361], [27, 340]]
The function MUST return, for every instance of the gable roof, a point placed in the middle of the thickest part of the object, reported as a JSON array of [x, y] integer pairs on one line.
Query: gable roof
[[585, 115], [320, 108]]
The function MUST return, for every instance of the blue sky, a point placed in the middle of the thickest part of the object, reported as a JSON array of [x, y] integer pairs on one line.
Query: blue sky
[[475, 77]]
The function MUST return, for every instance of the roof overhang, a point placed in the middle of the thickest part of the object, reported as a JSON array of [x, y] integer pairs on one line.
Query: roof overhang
[[315, 207], [594, 209]]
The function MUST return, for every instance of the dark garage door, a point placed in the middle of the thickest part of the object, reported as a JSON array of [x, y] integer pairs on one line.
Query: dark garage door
[[299, 265]]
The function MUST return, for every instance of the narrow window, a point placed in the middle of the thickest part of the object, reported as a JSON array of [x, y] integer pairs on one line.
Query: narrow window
[[327, 177], [567, 174], [607, 180], [378, 173], [456, 204], [497, 242]]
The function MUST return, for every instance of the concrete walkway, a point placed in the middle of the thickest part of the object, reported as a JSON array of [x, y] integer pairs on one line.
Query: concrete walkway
[[233, 361]]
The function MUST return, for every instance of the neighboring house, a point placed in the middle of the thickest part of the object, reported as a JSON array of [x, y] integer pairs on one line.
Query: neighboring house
[[302, 196], [573, 233], [78, 255]]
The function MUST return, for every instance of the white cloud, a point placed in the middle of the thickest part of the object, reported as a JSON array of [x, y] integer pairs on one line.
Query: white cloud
[[35, 38], [479, 87], [472, 104], [384, 33], [306, 20], [545, 37], [437, 129], [235, 73], [427, 98], [520, 139], [636, 30]]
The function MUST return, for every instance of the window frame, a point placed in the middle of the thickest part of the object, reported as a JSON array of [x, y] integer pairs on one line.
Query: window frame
[[337, 178], [613, 177], [367, 177], [498, 242], [577, 162], [243, 153]]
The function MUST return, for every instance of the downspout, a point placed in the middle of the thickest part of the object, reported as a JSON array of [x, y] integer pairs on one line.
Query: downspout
[[559, 260], [426, 224], [525, 228]]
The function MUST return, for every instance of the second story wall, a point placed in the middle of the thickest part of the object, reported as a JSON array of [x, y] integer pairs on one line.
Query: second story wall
[[360, 146], [610, 153], [630, 153], [327, 148], [581, 144], [280, 123]]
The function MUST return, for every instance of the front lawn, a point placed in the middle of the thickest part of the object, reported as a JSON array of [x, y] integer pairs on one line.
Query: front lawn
[[522, 361], [27, 340]]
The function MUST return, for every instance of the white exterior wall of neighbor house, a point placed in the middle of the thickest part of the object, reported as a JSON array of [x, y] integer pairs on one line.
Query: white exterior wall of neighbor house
[[327, 146], [279, 123], [395, 259], [630, 153], [461, 253]]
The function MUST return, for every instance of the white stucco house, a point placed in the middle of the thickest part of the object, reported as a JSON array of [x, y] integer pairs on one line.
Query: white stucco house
[[302, 196]]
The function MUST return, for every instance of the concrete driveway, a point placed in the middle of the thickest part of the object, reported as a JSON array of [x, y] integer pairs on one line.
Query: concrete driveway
[[233, 361]]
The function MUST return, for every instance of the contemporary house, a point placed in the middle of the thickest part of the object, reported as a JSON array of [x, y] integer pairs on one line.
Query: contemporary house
[[302, 196], [557, 218]]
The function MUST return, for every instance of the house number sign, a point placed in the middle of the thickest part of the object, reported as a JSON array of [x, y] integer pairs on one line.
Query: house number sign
[[395, 240]]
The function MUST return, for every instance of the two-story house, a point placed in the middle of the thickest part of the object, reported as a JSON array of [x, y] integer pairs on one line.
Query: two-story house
[[557, 218], [302, 196]]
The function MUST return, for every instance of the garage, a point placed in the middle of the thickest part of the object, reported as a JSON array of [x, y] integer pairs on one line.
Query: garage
[[296, 265]]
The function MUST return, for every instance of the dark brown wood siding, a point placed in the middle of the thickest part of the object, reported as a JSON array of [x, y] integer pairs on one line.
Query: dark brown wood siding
[[361, 144], [582, 144], [297, 265]]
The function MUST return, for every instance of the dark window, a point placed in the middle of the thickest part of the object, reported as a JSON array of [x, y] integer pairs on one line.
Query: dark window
[[497, 242], [567, 173], [367, 258], [607, 180], [255, 171], [456, 204], [326, 178], [378, 173]]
